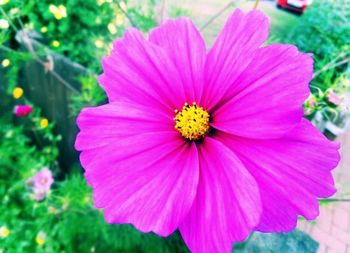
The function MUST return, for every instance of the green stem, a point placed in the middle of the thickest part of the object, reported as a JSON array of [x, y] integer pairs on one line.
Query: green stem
[[336, 200]]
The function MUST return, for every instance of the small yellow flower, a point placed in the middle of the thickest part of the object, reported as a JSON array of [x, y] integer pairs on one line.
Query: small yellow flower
[[40, 238], [98, 20], [43, 29], [100, 2], [86, 199], [111, 28], [59, 12], [4, 232], [5, 63], [52, 210], [56, 43], [44, 123], [3, 2], [119, 19], [14, 11], [29, 26], [99, 43], [4, 24], [17, 92], [53, 9], [123, 5]]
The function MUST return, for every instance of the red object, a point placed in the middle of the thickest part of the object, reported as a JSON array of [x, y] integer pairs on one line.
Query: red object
[[22, 110], [298, 6]]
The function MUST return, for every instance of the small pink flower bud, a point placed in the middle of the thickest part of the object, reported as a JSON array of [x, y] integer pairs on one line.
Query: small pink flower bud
[[22, 110]]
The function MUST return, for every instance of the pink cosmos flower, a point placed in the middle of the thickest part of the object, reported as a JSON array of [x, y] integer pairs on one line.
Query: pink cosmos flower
[[22, 110], [43, 179], [212, 143], [41, 183]]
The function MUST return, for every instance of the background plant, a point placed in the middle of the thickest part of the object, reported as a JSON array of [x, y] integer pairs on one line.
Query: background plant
[[324, 31]]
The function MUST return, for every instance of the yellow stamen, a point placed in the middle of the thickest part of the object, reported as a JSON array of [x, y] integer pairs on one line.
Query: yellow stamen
[[192, 121]]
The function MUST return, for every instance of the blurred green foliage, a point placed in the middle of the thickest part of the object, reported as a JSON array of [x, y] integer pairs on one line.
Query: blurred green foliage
[[324, 31], [72, 27]]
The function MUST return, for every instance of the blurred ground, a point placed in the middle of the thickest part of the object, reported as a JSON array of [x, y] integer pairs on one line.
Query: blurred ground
[[202, 10], [332, 228]]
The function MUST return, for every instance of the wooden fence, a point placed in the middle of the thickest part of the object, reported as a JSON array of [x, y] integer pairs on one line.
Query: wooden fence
[[53, 97]]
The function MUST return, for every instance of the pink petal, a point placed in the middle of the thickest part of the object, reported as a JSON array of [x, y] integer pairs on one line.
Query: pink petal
[[138, 70], [292, 172], [266, 100], [108, 123], [227, 206], [185, 46], [153, 190], [140, 169], [233, 50]]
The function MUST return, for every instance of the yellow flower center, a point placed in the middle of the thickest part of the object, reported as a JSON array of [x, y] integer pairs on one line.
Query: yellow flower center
[[192, 121]]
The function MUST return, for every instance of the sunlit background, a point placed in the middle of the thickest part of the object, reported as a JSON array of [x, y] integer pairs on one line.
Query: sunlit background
[[50, 55]]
